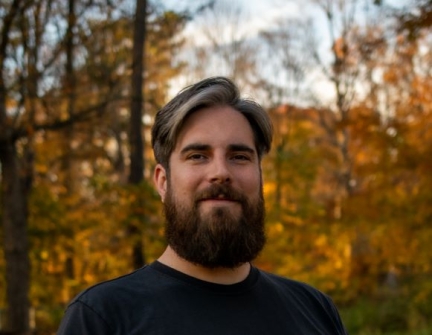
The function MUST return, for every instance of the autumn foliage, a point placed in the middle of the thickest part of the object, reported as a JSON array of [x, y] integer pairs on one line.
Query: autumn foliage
[[348, 183]]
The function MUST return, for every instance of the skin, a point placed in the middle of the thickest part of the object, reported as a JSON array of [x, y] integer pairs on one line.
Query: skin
[[215, 145]]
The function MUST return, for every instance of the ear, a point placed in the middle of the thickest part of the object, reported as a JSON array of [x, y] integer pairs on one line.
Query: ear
[[160, 180]]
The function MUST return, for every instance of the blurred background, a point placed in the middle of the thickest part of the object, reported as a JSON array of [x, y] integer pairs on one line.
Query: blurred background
[[348, 183]]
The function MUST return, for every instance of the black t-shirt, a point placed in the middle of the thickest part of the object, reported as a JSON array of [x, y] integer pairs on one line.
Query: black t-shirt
[[159, 300]]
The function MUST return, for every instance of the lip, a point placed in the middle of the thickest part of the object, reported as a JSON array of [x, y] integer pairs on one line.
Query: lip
[[218, 200]]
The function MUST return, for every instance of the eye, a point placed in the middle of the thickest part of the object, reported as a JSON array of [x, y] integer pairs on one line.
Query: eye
[[196, 157], [241, 157]]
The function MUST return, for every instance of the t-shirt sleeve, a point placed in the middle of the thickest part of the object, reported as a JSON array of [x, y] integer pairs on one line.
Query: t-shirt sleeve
[[80, 319], [336, 317]]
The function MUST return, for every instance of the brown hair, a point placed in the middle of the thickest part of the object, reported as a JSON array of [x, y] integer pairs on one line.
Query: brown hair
[[214, 91]]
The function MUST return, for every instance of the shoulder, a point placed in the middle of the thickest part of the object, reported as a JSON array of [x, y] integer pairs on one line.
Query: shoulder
[[303, 301], [284, 282], [114, 301], [295, 290], [118, 291]]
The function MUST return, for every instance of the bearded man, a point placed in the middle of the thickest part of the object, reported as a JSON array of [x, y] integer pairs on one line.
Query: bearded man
[[208, 143]]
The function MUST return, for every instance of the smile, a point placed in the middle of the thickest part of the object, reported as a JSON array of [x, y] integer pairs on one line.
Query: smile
[[216, 202], [219, 198]]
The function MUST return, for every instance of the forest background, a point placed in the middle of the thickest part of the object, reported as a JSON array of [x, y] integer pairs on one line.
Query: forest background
[[348, 184]]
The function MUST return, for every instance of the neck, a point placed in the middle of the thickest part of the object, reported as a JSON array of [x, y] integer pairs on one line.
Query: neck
[[217, 275]]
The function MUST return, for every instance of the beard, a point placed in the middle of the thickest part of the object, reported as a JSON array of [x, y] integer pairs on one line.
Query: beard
[[219, 238]]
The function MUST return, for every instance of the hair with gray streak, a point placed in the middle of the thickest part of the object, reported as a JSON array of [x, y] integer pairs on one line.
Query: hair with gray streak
[[214, 91]]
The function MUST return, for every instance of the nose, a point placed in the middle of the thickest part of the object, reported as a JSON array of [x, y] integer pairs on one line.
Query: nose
[[219, 171]]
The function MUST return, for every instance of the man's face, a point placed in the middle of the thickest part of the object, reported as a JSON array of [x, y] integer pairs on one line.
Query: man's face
[[213, 191]]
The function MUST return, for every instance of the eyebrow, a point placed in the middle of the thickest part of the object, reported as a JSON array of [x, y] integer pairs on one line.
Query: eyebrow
[[195, 147], [241, 147], [206, 147]]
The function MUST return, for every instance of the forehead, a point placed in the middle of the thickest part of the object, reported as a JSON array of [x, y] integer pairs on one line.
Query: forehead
[[217, 125]]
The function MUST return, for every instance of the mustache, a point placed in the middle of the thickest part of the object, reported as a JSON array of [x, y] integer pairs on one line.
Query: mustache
[[220, 191]]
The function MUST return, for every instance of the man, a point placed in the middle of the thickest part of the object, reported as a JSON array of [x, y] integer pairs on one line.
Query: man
[[208, 143]]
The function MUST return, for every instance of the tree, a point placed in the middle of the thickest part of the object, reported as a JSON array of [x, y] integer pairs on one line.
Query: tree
[[78, 224], [416, 19], [22, 68], [285, 45], [223, 44], [16, 175], [136, 173]]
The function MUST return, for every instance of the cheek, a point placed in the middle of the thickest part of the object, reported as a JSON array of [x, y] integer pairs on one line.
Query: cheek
[[185, 183], [251, 181]]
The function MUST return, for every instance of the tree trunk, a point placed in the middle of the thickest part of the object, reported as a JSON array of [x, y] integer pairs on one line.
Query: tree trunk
[[135, 130], [14, 201], [14, 192], [136, 174], [69, 163]]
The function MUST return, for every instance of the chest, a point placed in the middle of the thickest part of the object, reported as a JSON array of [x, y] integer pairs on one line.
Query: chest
[[248, 314]]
